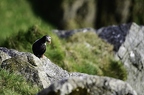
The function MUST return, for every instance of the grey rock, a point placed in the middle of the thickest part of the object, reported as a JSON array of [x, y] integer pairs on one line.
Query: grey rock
[[44, 73], [131, 53], [3, 56], [10, 52], [41, 72], [20, 64], [115, 34], [89, 85]]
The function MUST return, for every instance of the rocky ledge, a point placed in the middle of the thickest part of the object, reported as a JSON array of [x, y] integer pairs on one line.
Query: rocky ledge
[[57, 81], [89, 85]]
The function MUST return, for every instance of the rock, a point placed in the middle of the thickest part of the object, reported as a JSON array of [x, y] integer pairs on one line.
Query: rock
[[41, 72], [131, 53], [114, 35], [19, 63], [3, 56], [44, 73], [89, 85]]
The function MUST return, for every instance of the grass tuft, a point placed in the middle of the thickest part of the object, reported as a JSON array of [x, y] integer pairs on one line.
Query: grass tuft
[[12, 84]]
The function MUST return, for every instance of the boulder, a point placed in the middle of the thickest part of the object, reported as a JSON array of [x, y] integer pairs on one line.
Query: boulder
[[131, 53], [41, 72], [55, 80], [114, 35], [89, 85], [21, 63]]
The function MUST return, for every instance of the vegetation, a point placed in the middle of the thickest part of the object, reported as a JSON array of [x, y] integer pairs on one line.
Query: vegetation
[[12, 84], [82, 52], [87, 53], [17, 15]]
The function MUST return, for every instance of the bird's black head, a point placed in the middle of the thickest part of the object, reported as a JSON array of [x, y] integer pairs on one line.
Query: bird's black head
[[46, 38]]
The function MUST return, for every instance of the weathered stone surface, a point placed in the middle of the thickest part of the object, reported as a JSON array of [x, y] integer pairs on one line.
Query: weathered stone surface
[[89, 85], [41, 72], [3, 56], [44, 73], [131, 53], [20, 63], [114, 35]]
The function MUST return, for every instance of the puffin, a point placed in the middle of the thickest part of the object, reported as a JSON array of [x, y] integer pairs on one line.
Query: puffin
[[39, 46]]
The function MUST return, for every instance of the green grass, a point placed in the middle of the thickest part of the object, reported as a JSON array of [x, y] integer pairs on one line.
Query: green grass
[[87, 53], [12, 84], [17, 15]]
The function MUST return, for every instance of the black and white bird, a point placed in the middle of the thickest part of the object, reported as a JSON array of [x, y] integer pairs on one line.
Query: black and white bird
[[39, 46]]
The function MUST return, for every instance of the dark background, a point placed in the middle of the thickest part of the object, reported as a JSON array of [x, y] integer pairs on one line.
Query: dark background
[[70, 14]]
